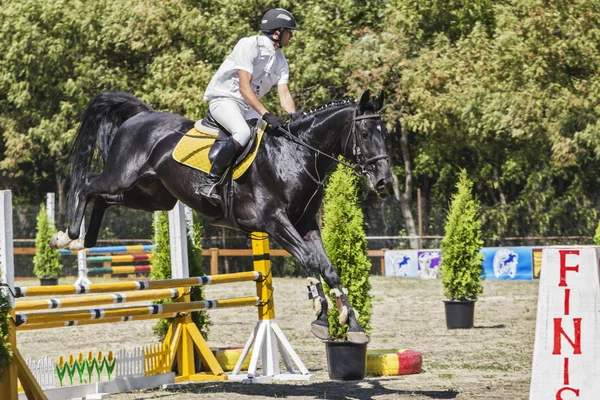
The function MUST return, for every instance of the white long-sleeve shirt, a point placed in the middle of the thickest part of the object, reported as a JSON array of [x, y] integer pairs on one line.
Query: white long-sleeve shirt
[[256, 55]]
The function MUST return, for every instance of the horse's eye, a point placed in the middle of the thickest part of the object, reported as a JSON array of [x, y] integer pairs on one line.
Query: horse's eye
[[365, 135]]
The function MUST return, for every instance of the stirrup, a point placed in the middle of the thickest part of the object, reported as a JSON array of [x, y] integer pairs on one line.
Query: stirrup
[[211, 195]]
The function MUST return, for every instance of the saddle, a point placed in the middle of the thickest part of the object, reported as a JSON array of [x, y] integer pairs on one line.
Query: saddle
[[199, 146]]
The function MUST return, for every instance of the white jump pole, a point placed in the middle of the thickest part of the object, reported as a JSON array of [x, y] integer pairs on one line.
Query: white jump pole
[[50, 207], [566, 357], [178, 240], [6, 243]]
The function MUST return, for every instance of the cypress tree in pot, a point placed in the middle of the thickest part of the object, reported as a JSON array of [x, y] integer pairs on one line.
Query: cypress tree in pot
[[345, 243], [46, 262], [461, 264]]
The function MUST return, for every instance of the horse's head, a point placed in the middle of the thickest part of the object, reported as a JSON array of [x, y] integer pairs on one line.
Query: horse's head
[[368, 135]]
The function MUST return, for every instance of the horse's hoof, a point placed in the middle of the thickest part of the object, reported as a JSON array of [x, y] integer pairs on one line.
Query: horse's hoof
[[76, 245], [357, 337], [320, 331], [59, 240]]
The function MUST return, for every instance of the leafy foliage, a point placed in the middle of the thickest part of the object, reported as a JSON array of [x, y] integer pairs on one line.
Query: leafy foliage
[[597, 235], [161, 269], [46, 261], [5, 348], [461, 260], [510, 88], [345, 242]]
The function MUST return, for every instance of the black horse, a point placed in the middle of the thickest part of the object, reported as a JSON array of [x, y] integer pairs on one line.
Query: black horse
[[280, 194]]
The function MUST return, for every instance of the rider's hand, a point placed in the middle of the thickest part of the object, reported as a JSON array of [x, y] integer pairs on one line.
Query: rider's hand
[[272, 120], [295, 115]]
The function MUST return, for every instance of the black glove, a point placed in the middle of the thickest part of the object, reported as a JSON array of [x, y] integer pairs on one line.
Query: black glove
[[296, 115], [272, 120]]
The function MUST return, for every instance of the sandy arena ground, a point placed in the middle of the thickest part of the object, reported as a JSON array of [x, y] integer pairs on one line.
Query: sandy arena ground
[[491, 361]]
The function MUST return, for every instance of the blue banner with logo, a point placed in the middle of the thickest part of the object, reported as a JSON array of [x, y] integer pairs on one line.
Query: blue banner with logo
[[508, 263], [424, 264]]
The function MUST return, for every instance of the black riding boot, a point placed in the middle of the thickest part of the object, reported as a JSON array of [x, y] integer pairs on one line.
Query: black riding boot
[[230, 150]]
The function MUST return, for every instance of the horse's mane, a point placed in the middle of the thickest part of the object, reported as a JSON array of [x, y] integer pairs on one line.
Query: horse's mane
[[310, 114]]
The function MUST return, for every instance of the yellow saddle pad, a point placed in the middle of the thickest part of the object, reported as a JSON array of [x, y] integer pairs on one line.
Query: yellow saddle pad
[[192, 150]]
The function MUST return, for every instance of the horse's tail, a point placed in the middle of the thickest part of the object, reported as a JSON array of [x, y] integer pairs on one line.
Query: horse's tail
[[101, 120]]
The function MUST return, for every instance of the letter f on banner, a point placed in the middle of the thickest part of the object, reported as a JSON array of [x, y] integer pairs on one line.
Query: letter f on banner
[[564, 267]]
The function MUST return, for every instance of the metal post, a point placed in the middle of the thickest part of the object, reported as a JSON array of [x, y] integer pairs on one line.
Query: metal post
[[420, 218]]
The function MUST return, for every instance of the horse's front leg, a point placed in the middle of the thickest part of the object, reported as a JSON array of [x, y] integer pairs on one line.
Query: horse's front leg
[[308, 249], [347, 315]]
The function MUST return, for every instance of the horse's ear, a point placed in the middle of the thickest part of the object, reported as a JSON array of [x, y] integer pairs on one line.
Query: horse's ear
[[364, 101], [379, 101]]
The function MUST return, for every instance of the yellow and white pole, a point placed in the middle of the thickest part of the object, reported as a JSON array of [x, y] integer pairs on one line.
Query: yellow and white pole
[[267, 338], [137, 285]]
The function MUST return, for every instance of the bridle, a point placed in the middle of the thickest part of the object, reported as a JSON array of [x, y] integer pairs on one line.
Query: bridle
[[361, 166], [359, 169]]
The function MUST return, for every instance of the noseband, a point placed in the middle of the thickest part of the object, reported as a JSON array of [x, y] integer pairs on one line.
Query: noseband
[[361, 166]]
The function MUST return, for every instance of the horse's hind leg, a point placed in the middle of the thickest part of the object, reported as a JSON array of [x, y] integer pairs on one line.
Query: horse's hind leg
[[109, 182], [101, 203], [148, 196]]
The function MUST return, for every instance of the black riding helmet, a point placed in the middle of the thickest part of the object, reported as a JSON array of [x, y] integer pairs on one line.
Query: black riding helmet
[[277, 19]]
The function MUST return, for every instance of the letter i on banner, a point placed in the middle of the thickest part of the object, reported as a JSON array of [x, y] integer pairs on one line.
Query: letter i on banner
[[566, 356]]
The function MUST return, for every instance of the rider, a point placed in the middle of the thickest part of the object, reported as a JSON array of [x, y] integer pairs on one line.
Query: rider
[[254, 66]]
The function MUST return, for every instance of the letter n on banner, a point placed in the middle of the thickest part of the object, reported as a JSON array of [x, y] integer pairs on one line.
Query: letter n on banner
[[566, 355]]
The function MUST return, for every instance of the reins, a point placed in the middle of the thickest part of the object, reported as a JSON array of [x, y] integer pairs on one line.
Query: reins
[[359, 169]]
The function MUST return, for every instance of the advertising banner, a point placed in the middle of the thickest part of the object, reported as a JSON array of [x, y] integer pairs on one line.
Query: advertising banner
[[422, 264], [508, 263]]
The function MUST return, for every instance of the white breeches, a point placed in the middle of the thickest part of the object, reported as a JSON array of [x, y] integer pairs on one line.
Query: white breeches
[[232, 115]]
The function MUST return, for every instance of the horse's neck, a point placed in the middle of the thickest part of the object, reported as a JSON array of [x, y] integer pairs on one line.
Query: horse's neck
[[328, 134]]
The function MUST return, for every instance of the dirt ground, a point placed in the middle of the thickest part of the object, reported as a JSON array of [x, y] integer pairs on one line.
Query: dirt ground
[[491, 361]]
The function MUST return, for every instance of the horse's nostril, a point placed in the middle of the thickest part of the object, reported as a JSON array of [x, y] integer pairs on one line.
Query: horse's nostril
[[381, 185]]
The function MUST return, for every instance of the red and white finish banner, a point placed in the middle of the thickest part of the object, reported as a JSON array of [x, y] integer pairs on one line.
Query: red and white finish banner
[[566, 357]]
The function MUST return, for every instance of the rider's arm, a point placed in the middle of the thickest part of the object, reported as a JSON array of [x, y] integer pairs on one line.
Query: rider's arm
[[247, 92], [285, 98]]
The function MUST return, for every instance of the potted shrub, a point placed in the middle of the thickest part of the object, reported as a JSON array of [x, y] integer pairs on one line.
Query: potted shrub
[[345, 243], [46, 262], [461, 264]]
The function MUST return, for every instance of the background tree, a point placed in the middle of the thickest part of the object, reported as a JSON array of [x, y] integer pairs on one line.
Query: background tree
[[508, 90]]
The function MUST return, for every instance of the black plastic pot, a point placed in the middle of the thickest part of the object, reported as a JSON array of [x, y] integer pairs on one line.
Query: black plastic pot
[[459, 313], [48, 281], [346, 361]]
